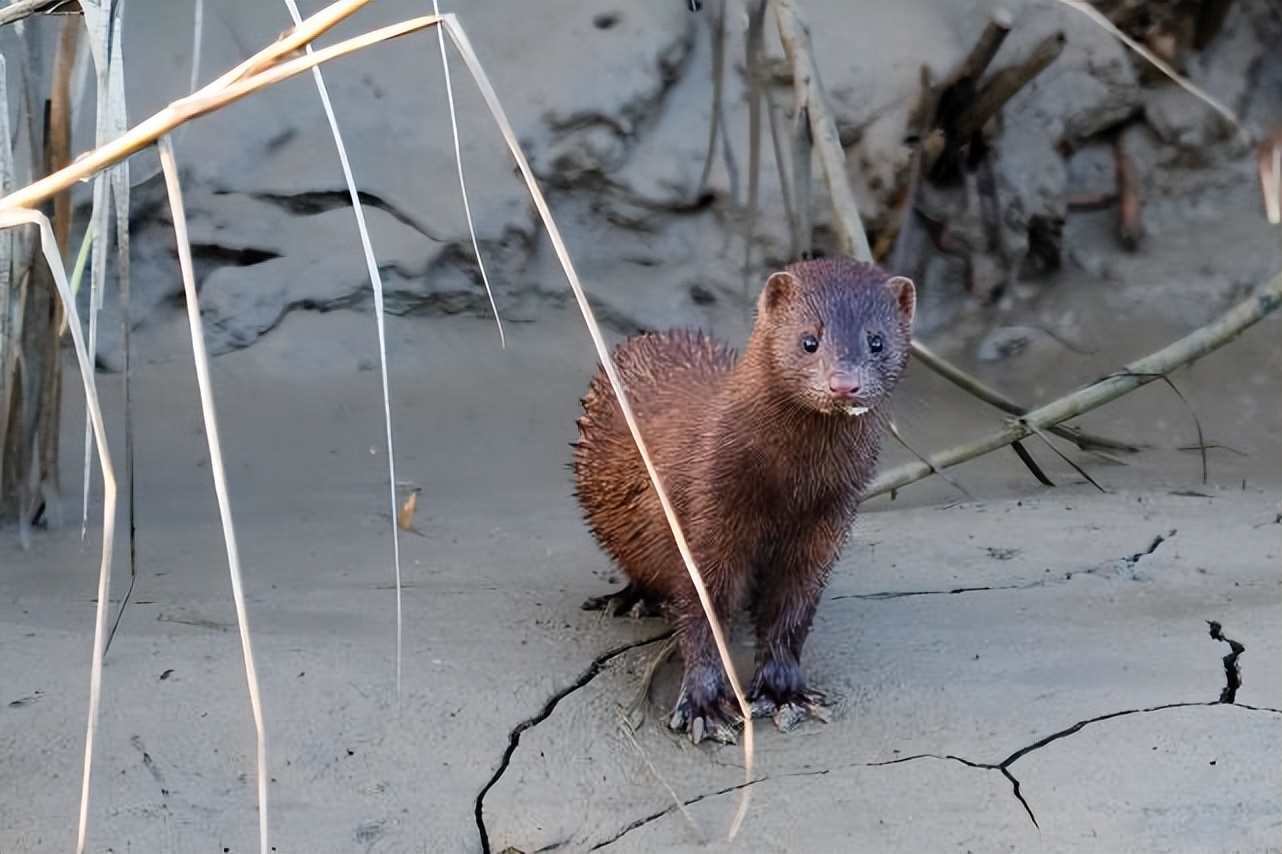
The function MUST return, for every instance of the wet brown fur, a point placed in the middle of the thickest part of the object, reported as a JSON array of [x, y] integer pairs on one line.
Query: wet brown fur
[[762, 464]]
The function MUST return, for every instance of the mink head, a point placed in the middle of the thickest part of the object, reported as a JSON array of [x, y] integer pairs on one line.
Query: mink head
[[835, 333]]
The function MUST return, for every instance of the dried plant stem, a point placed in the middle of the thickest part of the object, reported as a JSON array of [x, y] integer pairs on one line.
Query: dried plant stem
[[20, 9], [1209, 338], [376, 286], [978, 388], [1130, 196], [756, 53], [264, 69], [464, 46], [170, 167], [49, 247], [823, 130]]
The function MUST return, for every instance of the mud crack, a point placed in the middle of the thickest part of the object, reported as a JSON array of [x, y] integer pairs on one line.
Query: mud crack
[[1233, 676], [314, 202], [641, 822], [1004, 767], [1123, 567], [514, 737], [1232, 670], [903, 594]]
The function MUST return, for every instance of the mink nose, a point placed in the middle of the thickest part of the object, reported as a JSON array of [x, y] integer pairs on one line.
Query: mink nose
[[843, 384]]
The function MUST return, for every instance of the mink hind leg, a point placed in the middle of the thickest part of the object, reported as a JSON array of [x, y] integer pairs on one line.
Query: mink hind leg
[[784, 613]]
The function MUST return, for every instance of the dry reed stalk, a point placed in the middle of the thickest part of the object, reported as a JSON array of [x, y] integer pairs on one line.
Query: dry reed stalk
[[464, 47], [264, 69], [811, 98], [170, 167], [49, 247], [269, 67]]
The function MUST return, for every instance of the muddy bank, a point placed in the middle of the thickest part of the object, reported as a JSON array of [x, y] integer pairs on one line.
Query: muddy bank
[[1018, 667]]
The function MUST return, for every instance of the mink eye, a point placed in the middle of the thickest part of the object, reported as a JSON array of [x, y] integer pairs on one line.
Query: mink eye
[[809, 343], [875, 344]]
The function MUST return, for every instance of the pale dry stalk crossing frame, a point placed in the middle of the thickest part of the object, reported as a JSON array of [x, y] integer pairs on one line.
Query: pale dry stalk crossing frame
[[266, 68]]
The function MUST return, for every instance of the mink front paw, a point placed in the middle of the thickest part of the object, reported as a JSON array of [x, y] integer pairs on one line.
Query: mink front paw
[[717, 718], [788, 712], [779, 691]]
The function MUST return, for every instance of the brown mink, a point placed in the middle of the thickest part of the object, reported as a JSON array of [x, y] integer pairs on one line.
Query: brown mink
[[764, 459]]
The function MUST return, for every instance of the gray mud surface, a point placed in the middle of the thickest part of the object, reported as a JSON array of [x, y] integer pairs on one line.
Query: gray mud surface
[[1019, 667]]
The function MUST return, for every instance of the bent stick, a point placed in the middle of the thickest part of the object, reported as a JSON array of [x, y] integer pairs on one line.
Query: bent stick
[[1263, 301]]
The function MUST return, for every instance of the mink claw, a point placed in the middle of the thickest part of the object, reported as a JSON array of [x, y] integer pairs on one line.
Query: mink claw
[[709, 724], [804, 705], [762, 707], [628, 602]]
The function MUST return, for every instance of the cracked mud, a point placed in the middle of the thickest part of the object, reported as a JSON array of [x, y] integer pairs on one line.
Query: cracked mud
[[1115, 570], [1050, 639]]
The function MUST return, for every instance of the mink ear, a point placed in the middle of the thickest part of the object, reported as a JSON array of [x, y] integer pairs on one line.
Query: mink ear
[[905, 294], [778, 289]]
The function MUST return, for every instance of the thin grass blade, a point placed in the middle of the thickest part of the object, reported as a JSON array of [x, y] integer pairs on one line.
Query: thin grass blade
[[376, 283], [464, 47], [9, 219], [462, 183], [170, 167]]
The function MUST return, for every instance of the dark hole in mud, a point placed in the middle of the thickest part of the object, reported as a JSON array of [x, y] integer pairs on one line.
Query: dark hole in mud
[[606, 20], [701, 295], [224, 255]]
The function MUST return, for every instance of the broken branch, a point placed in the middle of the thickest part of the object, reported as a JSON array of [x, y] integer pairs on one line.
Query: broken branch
[[1263, 302], [813, 105], [1003, 85], [795, 37]]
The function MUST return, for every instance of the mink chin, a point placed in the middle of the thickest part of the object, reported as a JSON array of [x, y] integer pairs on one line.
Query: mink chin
[[764, 458]]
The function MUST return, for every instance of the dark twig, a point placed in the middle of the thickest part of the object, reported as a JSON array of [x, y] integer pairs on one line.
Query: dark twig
[[1003, 85], [1041, 434], [1197, 423], [1027, 459], [718, 24], [756, 55], [1130, 196]]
